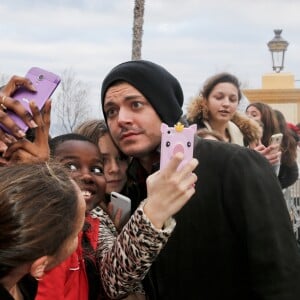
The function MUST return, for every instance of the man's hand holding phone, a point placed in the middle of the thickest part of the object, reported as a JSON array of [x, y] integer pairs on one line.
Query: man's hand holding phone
[[169, 189]]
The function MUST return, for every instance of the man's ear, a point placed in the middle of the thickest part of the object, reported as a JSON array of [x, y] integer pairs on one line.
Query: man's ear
[[37, 269]]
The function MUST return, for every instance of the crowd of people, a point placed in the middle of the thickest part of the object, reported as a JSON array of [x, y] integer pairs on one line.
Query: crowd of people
[[218, 227]]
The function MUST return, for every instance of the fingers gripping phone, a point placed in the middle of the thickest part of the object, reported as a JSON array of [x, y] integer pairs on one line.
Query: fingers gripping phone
[[124, 203], [176, 139], [45, 84], [276, 139]]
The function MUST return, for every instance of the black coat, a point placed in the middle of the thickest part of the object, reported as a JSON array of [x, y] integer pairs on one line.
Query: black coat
[[288, 175], [234, 238], [27, 285]]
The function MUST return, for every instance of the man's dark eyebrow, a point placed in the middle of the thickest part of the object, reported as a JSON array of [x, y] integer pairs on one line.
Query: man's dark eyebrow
[[130, 97], [110, 103]]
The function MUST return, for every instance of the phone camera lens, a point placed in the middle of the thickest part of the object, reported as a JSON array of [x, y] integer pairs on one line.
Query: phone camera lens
[[41, 77]]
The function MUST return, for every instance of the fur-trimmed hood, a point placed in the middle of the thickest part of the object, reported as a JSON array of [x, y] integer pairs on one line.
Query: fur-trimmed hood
[[197, 113]]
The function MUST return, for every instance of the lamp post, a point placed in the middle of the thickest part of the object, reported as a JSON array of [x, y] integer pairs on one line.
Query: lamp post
[[278, 46]]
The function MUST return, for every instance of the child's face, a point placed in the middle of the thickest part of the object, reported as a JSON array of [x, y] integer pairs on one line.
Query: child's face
[[114, 164], [82, 159]]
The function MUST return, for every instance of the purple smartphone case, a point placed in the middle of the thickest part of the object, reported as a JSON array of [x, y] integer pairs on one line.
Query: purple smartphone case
[[44, 82], [176, 139]]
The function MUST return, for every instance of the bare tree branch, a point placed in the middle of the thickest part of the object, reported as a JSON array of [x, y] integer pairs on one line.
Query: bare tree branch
[[71, 105]]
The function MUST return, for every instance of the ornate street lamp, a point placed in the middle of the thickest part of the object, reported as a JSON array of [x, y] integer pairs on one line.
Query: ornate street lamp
[[278, 46]]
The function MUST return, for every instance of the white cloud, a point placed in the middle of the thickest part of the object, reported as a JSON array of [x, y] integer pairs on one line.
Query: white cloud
[[193, 39]]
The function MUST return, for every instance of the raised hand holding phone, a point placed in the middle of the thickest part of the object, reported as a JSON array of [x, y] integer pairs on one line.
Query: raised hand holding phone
[[276, 139], [26, 151], [38, 85], [275, 144], [169, 189]]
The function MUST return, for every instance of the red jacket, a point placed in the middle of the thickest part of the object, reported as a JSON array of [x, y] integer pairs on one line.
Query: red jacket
[[68, 281]]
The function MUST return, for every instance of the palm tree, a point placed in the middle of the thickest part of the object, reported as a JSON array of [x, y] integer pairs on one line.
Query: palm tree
[[138, 21]]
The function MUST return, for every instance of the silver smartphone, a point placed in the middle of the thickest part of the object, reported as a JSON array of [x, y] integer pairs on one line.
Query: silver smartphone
[[276, 139], [124, 203]]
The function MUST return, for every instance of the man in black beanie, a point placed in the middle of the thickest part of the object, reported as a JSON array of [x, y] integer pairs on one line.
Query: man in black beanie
[[234, 238], [158, 86]]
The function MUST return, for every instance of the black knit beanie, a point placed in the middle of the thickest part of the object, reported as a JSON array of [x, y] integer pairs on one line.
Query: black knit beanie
[[157, 85]]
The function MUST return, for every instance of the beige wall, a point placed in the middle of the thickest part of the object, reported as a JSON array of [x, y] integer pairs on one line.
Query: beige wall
[[290, 111], [278, 81], [278, 90]]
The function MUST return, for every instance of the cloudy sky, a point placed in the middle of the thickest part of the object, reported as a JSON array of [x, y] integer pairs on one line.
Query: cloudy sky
[[193, 39]]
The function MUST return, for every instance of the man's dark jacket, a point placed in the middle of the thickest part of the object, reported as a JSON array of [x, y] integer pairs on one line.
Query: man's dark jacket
[[234, 238]]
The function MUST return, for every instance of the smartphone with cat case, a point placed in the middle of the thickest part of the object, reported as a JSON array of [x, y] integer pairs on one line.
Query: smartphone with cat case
[[176, 139], [45, 83]]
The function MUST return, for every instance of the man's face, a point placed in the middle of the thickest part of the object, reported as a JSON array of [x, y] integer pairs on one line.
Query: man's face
[[132, 121]]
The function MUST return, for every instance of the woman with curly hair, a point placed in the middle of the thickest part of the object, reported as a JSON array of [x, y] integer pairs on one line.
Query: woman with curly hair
[[216, 110]]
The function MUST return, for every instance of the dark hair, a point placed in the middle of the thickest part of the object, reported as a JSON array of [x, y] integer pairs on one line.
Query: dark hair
[[56, 141], [269, 120], [38, 208], [289, 144], [93, 129], [211, 82], [161, 89]]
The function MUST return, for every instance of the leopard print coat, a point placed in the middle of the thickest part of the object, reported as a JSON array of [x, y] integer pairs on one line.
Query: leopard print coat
[[125, 259]]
